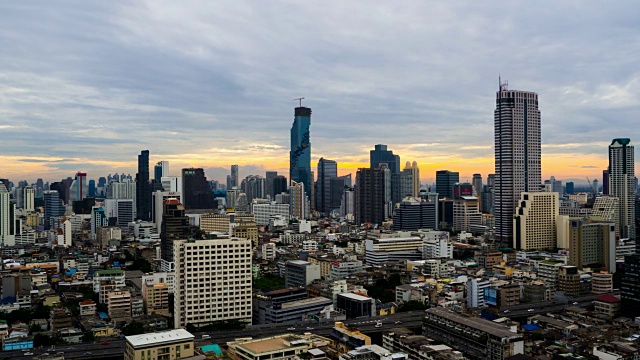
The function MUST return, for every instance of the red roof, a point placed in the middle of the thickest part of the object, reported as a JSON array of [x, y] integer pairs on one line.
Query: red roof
[[608, 298]]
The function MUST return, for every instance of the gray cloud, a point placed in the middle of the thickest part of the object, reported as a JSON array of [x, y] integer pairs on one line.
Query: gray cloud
[[103, 80]]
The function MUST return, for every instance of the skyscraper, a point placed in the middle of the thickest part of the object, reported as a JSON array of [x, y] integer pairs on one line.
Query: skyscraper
[[445, 181], [605, 182], [300, 154], [477, 187], [622, 184], [196, 192], [143, 187], [7, 218], [160, 170], [517, 154], [371, 195], [52, 206], [279, 185], [327, 170], [175, 226], [380, 155], [28, 198], [234, 179], [299, 205], [78, 189], [268, 184]]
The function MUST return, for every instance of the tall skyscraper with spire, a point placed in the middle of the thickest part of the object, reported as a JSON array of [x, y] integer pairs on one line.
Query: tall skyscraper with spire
[[621, 184], [300, 154], [517, 154]]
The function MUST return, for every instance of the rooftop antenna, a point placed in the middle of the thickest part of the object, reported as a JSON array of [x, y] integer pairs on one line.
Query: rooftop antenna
[[299, 100], [503, 86]]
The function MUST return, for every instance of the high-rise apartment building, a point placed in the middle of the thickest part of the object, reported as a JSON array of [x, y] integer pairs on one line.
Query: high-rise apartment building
[[445, 181], [517, 154], [280, 185], [622, 184], [143, 187], [28, 198], [254, 187], [7, 218], [371, 195], [327, 170], [196, 192], [300, 154], [299, 205], [380, 155], [213, 281], [535, 221]]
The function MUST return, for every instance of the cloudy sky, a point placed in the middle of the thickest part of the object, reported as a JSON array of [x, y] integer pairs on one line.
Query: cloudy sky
[[85, 85]]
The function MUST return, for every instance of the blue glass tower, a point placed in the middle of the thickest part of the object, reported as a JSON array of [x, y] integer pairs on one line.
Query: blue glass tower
[[380, 155], [300, 155]]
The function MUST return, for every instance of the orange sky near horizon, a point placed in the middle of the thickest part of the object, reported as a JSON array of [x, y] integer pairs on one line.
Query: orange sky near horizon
[[564, 167]]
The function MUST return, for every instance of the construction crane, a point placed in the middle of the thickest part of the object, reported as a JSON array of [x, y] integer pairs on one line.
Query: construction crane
[[299, 100], [593, 188]]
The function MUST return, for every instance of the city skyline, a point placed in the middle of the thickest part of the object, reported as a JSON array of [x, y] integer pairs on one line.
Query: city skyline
[[113, 85]]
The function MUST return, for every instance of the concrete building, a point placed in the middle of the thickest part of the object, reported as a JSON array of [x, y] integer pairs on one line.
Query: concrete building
[[356, 306], [263, 212], [8, 228], [269, 251], [115, 277], [466, 213], [592, 243], [173, 344], [221, 223], [157, 211], [601, 283], [535, 221], [474, 337], [475, 292], [119, 305], [373, 195], [279, 347], [348, 338], [343, 269], [517, 154], [436, 245], [205, 267], [413, 214], [372, 352], [607, 208], [621, 173], [156, 298], [292, 311], [301, 273], [395, 247]]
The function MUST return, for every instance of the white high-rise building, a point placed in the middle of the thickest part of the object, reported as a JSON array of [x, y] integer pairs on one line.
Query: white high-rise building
[[535, 221], [299, 201], [125, 189], [28, 198], [7, 218], [213, 281], [517, 154], [172, 183], [622, 184]]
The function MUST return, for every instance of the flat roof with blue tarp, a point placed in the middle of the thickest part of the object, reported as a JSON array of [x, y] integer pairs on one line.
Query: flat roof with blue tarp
[[531, 327], [215, 348], [103, 315]]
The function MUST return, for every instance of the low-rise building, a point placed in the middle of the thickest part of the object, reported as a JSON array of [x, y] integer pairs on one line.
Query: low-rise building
[[607, 305], [355, 306], [346, 339], [173, 344], [373, 352], [280, 347], [474, 337]]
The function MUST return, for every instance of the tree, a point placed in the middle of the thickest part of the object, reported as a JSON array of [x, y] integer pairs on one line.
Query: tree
[[133, 328], [88, 337], [412, 305], [35, 328], [41, 339]]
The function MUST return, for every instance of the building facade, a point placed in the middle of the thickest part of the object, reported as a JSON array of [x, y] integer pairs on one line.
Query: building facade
[[300, 154], [517, 154]]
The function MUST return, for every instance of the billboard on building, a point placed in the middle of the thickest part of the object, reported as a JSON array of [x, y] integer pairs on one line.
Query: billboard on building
[[491, 296]]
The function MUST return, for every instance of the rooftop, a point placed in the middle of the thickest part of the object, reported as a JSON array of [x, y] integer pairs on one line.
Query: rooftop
[[272, 344], [608, 298], [355, 296], [480, 324], [159, 337], [303, 302], [108, 272]]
